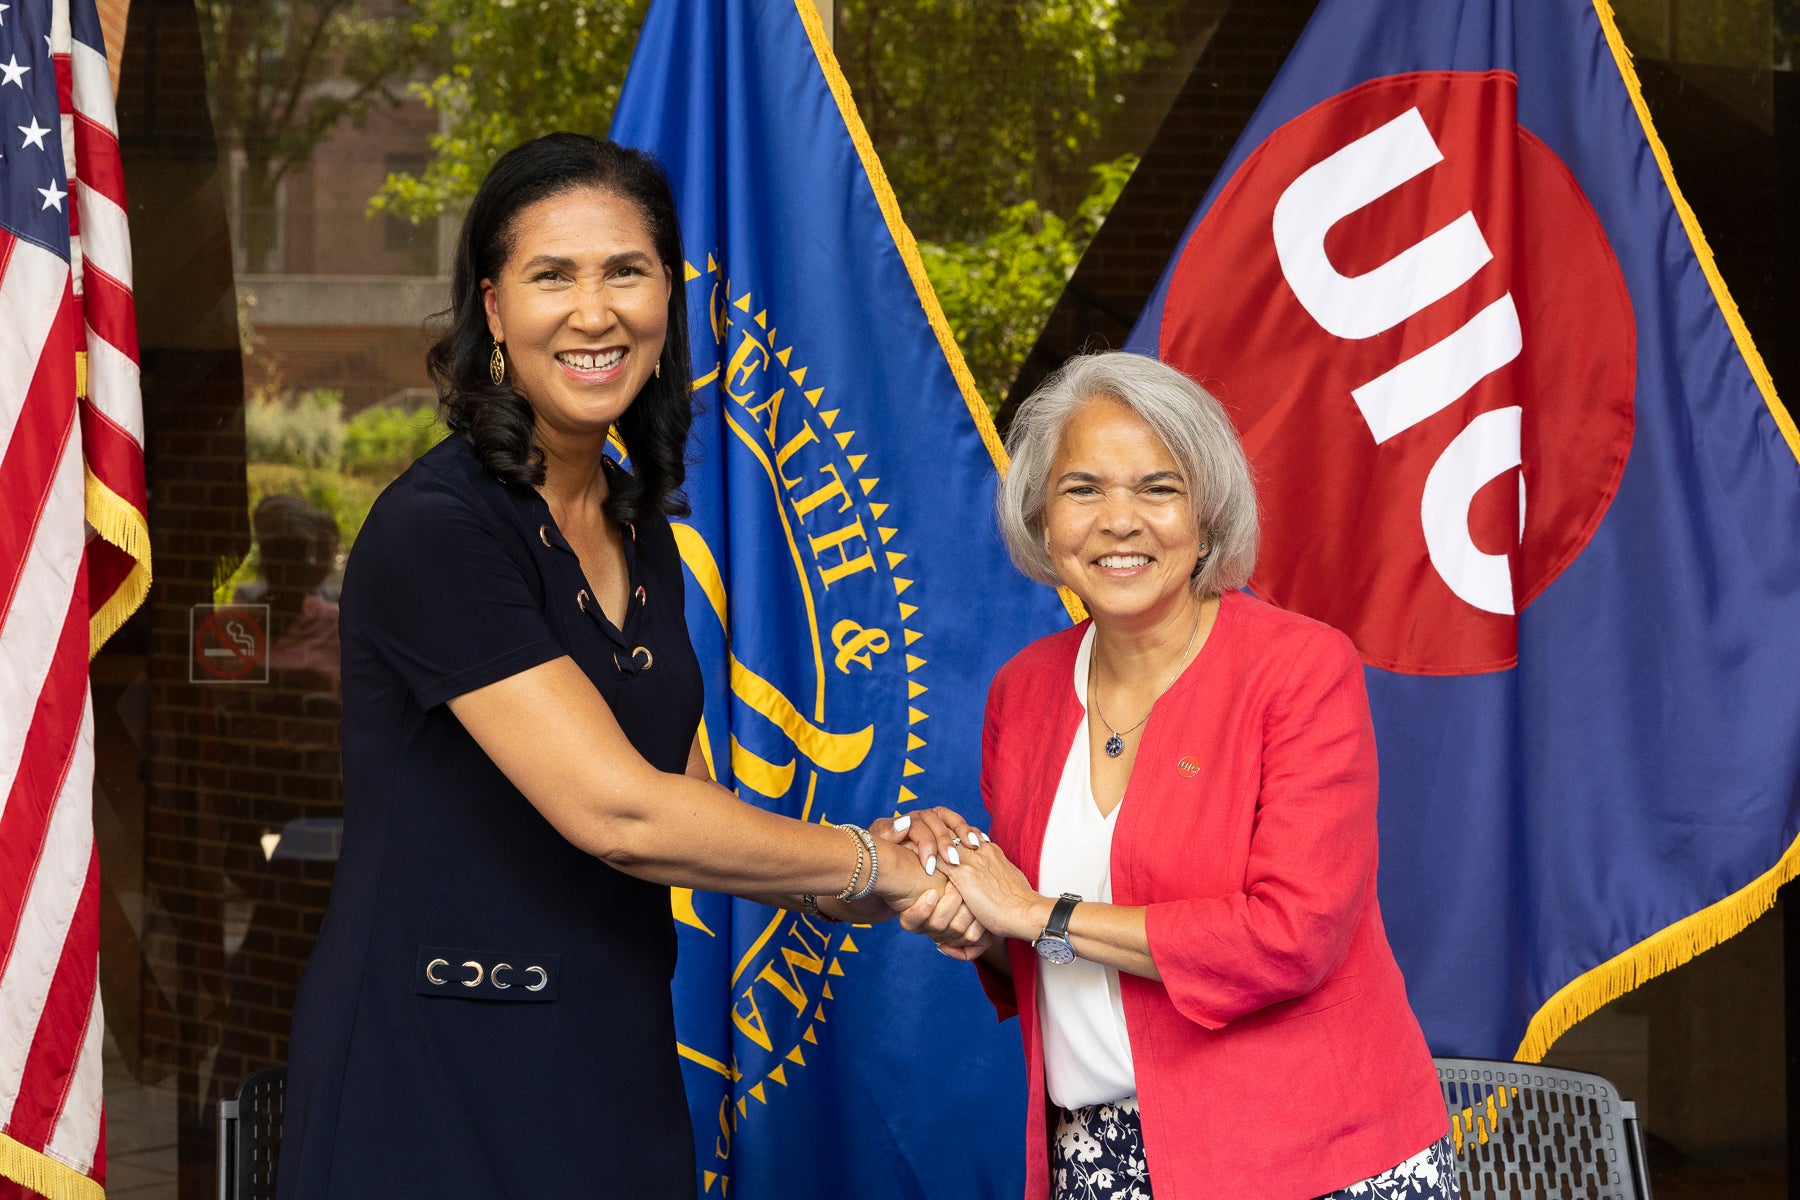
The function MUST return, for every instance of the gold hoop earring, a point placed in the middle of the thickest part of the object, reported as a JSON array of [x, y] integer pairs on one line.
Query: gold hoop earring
[[497, 366]]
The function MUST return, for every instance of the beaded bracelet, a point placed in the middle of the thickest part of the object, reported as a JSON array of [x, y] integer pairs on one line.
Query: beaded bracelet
[[867, 841], [850, 895]]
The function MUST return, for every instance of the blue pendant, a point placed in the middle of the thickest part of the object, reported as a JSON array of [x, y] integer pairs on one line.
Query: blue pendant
[[1115, 746]]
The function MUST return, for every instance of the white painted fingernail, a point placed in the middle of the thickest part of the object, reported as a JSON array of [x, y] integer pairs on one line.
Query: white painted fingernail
[[974, 838], [931, 865], [953, 856], [903, 824]]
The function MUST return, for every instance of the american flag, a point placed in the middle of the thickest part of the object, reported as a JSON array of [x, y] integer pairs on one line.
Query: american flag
[[74, 563]]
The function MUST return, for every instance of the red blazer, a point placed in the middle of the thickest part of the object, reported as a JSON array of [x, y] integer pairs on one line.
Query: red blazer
[[1278, 1058]]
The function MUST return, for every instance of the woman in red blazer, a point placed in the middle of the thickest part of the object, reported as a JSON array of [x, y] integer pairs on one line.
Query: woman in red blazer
[[1211, 1006]]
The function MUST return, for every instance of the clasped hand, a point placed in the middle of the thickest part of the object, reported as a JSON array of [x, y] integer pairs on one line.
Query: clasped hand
[[971, 896]]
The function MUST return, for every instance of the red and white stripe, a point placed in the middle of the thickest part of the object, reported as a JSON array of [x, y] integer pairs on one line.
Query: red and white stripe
[[56, 576]]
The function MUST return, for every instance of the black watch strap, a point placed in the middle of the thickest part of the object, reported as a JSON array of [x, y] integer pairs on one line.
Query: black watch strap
[[1058, 925]]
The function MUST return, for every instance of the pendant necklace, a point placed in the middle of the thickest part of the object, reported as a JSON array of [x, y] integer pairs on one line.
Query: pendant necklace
[[1115, 745]]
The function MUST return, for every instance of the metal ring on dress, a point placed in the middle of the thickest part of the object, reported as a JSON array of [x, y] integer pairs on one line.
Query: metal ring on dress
[[544, 535], [581, 599], [475, 982], [432, 966], [494, 975], [543, 979], [649, 658]]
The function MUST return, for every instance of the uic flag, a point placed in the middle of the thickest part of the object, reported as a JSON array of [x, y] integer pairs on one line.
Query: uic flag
[[849, 599], [1513, 438], [74, 563]]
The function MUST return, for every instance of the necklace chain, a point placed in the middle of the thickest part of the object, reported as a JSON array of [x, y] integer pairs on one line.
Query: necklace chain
[[1115, 745]]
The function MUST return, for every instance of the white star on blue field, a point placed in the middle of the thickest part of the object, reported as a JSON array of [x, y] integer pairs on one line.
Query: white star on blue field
[[33, 184]]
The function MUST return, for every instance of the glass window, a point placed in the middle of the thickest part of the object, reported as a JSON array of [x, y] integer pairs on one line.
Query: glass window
[[296, 173]]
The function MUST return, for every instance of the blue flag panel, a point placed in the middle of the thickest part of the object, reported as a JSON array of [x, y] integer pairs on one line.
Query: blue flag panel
[[1513, 438], [850, 600]]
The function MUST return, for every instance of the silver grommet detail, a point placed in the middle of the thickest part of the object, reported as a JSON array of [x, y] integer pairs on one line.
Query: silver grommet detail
[[581, 599], [475, 982], [648, 658], [543, 979], [544, 535], [431, 968], [494, 975]]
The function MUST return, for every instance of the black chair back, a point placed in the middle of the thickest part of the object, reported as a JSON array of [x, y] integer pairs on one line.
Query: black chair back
[[250, 1136], [1524, 1131]]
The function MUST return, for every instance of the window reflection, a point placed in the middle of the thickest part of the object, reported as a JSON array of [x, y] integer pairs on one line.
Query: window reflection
[[281, 311]]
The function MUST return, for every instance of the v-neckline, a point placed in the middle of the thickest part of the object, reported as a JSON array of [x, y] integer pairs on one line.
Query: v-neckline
[[634, 584]]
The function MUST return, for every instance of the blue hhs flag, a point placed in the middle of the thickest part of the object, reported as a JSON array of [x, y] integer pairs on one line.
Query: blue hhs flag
[[849, 599], [1513, 438]]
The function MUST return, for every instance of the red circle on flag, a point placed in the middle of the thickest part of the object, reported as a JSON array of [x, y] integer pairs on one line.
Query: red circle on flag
[[1417, 323]]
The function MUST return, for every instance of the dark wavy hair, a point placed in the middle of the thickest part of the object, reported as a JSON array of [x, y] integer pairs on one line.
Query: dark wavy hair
[[495, 418]]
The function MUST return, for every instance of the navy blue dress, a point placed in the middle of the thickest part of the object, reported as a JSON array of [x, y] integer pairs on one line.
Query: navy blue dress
[[487, 1010]]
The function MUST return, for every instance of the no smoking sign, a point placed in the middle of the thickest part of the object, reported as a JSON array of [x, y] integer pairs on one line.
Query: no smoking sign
[[228, 643]]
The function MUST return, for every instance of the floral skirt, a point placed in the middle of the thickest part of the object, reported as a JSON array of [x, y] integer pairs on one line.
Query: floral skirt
[[1097, 1153]]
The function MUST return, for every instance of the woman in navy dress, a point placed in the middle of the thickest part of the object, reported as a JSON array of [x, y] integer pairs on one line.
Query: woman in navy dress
[[487, 1010]]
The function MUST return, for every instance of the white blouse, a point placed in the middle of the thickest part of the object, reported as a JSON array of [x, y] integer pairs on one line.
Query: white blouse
[[1087, 1054]]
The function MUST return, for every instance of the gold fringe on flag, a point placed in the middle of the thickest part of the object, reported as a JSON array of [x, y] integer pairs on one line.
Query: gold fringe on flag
[[118, 522], [909, 253], [1680, 942], [1663, 951], [45, 1175]]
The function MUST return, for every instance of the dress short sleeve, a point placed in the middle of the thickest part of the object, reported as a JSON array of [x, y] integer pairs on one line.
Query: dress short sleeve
[[442, 590]]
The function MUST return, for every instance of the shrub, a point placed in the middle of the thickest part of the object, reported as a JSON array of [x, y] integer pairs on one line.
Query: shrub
[[305, 430], [379, 442]]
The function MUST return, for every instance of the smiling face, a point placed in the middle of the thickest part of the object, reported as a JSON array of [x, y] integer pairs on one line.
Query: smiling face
[[581, 306], [1120, 526]]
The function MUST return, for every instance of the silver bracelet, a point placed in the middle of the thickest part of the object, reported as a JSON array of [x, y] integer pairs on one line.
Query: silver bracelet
[[868, 841]]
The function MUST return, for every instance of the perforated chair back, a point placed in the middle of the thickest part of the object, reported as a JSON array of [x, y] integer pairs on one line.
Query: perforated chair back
[[1522, 1131], [250, 1136]]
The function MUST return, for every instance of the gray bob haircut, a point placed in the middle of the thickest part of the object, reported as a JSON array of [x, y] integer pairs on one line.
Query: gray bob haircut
[[1190, 422]]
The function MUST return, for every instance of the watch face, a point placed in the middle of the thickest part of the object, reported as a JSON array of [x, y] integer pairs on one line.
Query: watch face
[[1054, 950]]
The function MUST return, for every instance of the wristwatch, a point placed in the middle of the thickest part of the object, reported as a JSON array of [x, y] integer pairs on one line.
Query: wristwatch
[[1052, 945]]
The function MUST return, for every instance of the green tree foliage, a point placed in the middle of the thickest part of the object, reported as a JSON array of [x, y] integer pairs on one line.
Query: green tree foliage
[[306, 430], [522, 68], [379, 442], [978, 106], [988, 115], [302, 445], [997, 290], [282, 74]]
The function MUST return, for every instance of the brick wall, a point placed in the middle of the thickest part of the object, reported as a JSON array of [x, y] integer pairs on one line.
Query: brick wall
[[220, 934], [367, 364]]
